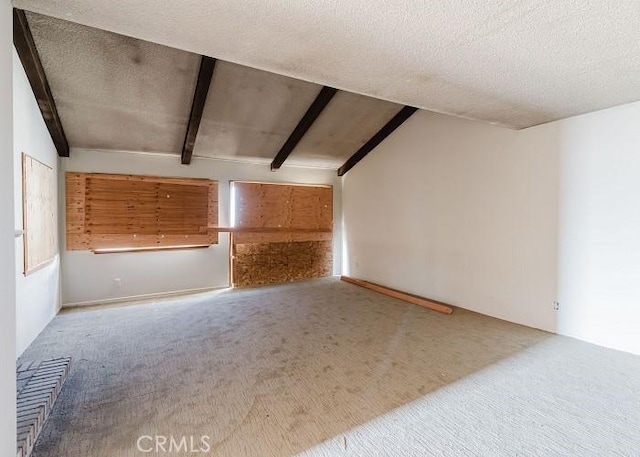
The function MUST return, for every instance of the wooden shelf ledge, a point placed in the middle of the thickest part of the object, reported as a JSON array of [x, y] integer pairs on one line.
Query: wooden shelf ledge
[[265, 230]]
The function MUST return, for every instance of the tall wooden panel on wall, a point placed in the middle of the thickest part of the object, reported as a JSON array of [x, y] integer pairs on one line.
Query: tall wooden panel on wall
[[38, 213], [302, 246]]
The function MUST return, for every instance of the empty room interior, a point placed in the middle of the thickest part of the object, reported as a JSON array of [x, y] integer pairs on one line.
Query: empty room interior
[[275, 228]]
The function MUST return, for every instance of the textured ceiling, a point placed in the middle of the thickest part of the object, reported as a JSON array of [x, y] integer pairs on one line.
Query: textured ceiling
[[347, 123], [517, 63], [120, 93], [115, 92], [250, 113]]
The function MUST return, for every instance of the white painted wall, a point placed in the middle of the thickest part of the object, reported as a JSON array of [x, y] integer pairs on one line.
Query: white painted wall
[[37, 294], [88, 277], [7, 263], [506, 222], [599, 235], [446, 208]]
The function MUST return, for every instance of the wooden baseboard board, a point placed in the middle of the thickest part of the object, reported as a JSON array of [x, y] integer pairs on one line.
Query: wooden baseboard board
[[433, 305]]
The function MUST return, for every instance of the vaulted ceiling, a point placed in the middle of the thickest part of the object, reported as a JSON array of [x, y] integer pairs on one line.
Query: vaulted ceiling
[[512, 63], [114, 92], [516, 63]]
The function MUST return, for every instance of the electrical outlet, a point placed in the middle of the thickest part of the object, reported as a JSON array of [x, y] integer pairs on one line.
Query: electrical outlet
[[556, 306], [117, 282]]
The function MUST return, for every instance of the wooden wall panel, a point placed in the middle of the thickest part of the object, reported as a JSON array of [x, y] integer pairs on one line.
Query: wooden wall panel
[[182, 210], [266, 258], [38, 213], [269, 263], [281, 205], [119, 207], [125, 211]]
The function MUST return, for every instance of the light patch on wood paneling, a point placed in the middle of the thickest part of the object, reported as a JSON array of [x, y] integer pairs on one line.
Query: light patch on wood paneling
[[126, 211], [38, 213]]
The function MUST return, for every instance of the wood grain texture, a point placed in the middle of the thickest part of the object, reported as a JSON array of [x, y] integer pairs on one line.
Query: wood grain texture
[[264, 230], [275, 235], [282, 233], [269, 263], [280, 237], [283, 206], [436, 306], [126, 211], [39, 207]]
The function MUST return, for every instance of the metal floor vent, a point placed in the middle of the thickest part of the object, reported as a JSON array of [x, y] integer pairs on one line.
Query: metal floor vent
[[38, 385]]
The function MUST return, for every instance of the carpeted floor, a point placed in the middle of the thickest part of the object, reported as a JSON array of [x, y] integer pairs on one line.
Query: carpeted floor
[[327, 368]]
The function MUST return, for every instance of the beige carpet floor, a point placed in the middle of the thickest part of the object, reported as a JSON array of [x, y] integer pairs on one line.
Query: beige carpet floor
[[324, 368]]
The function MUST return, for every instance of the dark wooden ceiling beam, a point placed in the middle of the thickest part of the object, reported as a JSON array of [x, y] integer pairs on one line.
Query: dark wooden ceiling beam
[[395, 122], [205, 74], [318, 105], [28, 53]]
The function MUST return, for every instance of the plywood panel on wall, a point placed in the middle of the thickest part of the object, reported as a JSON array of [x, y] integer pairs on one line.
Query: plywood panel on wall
[[283, 205], [282, 256], [268, 263], [126, 211], [39, 213]]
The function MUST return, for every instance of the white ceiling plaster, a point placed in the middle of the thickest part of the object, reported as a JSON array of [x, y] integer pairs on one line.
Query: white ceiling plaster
[[516, 63]]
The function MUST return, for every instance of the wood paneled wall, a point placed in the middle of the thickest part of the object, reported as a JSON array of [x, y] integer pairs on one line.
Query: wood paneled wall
[[282, 256], [106, 211]]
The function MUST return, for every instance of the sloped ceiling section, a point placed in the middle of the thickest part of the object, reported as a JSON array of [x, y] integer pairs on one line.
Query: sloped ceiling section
[[516, 63], [347, 123], [114, 92], [250, 113], [119, 93]]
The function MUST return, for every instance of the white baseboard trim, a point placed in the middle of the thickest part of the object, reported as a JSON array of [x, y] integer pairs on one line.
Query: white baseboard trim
[[135, 298]]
